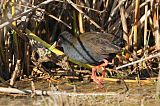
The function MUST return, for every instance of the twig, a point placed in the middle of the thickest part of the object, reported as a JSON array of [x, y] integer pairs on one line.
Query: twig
[[115, 25], [115, 10], [57, 19], [79, 10], [138, 61], [148, 81], [142, 19], [24, 13], [124, 23], [50, 93], [16, 73]]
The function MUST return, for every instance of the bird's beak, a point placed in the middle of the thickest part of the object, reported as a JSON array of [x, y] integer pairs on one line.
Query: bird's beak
[[55, 44]]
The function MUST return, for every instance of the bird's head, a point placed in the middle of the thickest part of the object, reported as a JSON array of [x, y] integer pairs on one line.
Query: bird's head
[[64, 37]]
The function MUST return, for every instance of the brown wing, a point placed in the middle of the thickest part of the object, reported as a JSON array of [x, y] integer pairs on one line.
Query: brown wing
[[98, 44], [107, 36]]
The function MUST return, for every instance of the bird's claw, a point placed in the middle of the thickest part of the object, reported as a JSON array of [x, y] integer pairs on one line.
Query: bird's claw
[[98, 80]]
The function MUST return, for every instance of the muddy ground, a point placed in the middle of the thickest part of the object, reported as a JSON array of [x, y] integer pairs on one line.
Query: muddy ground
[[137, 94]]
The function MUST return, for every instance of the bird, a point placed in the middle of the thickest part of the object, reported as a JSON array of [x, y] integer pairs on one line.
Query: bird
[[92, 48]]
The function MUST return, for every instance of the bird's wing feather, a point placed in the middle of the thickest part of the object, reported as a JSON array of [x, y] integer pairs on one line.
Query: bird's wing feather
[[98, 44], [107, 36]]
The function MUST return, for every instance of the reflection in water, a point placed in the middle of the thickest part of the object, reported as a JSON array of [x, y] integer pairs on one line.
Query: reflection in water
[[126, 99]]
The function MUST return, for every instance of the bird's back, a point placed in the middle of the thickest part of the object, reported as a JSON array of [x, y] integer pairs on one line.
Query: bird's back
[[90, 47]]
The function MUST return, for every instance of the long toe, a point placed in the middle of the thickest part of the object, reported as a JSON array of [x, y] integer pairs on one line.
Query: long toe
[[101, 79], [98, 80]]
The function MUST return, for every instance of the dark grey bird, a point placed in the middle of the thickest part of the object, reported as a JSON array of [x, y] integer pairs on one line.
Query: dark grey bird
[[90, 47]]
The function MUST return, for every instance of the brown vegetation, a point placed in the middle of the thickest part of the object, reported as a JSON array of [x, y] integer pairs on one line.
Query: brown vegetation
[[28, 29]]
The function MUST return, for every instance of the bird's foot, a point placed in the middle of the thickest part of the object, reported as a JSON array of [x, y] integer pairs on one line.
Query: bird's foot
[[98, 80]]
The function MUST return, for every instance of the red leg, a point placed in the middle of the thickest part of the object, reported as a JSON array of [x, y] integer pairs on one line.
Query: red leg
[[94, 70], [103, 72], [103, 67]]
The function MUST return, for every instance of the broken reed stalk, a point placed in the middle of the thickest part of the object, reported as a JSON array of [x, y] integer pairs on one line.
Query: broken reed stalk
[[80, 19], [135, 37], [75, 26], [16, 72], [27, 58], [145, 26], [124, 23], [145, 34], [81, 23], [135, 41]]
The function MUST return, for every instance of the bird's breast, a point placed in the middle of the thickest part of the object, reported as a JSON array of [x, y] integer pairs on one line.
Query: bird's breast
[[78, 52]]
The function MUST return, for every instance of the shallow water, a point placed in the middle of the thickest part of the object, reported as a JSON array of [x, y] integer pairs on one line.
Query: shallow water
[[84, 94], [63, 100]]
